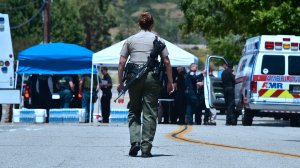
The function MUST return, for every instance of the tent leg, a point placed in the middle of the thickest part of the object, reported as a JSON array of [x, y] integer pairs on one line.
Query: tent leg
[[91, 94], [22, 98], [98, 94]]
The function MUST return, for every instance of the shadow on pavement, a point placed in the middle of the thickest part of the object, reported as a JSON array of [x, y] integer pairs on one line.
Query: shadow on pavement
[[275, 123], [160, 155], [153, 155], [292, 140]]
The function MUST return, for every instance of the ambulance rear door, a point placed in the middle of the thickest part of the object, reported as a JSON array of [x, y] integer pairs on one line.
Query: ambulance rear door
[[293, 70], [270, 79], [277, 79]]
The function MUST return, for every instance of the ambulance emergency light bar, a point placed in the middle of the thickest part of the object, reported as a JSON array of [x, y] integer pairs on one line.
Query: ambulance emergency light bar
[[271, 45]]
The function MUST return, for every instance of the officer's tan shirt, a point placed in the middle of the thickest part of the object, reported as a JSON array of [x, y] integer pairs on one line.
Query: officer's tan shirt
[[139, 47]]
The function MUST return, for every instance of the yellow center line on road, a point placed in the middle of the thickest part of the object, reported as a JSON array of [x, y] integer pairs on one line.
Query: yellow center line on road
[[179, 135]]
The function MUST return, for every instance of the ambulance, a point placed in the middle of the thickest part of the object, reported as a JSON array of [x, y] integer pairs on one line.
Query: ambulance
[[268, 79], [8, 92]]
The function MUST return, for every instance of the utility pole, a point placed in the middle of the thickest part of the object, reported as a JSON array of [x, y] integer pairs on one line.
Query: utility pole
[[46, 21]]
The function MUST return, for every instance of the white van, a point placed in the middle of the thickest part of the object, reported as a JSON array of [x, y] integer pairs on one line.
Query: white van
[[8, 93], [268, 78]]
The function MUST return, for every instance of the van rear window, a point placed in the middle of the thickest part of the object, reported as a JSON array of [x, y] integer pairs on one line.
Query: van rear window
[[1, 20], [273, 65], [294, 62]]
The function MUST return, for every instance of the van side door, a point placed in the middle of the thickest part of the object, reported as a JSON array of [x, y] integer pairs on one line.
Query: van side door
[[213, 86]]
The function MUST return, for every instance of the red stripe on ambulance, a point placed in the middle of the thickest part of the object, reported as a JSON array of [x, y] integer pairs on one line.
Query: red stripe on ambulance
[[277, 93], [262, 91]]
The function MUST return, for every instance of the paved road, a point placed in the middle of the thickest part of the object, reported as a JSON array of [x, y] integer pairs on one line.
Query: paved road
[[268, 143]]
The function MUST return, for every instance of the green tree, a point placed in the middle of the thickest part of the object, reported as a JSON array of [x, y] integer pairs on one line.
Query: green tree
[[245, 18], [229, 46], [65, 23], [97, 17], [21, 12]]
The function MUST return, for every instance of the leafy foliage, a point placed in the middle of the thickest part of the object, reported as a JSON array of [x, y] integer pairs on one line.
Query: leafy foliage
[[97, 19], [65, 23], [219, 19], [29, 34], [71, 21], [94, 23]]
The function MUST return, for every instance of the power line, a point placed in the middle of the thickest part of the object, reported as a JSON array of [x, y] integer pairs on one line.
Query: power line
[[18, 7], [3, 3], [31, 19]]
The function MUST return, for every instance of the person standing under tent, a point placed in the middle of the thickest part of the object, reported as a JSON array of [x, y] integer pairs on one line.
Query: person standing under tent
[[65, 86], [85, 92], [44, 89], [105, 86]]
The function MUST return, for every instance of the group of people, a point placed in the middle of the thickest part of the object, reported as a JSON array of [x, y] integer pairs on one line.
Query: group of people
[[186, 104], [72, 91]]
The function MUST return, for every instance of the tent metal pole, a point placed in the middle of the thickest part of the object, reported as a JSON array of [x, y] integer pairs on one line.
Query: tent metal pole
[[91, 93], [16, 81], [98, 93], [22, 98]]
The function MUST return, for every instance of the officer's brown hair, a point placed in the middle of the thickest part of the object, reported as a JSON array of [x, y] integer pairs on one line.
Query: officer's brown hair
[[146, 21]]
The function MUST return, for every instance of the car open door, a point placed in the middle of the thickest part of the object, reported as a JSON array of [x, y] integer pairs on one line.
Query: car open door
[[213, 86]]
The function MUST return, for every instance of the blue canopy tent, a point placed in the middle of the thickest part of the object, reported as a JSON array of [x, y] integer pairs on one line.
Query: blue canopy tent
[[55, 59]]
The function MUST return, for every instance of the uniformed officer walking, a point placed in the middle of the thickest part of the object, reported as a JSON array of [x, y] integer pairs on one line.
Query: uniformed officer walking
[[228, 80], [144, 93]]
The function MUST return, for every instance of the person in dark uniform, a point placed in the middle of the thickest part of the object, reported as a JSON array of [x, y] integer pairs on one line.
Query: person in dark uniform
[[228, 80], [143, 93], [193, 96], [180, 99], [34, 95], [44, 89], [105, 85], [65, 86]]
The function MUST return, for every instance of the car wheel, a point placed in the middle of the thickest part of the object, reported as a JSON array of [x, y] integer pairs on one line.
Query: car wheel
[[295, 121], [247, 117]]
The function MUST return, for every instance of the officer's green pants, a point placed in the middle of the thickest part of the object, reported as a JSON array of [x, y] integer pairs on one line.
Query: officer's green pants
[[143, 98]]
